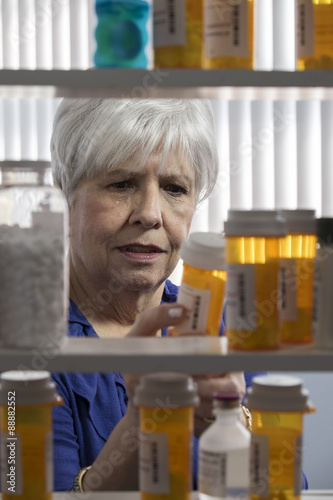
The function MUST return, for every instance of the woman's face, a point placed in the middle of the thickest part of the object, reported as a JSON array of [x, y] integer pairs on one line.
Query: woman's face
[[128, 225]]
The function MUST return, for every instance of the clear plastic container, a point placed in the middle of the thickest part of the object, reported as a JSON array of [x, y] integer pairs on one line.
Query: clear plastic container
[[228, 36], [124, 33], [26, 402], [252, 291], [314, 34], [202, 289], [298, 250], [33, 271], [224, 452], [166, 402], [277, 404], [178, 33], [323, 316]]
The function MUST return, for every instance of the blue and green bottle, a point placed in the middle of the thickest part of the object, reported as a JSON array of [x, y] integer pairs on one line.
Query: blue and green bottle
[[122, 34]]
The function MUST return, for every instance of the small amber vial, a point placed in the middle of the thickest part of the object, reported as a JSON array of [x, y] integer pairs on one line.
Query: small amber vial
[[166, 404], [314, 34], [252, 291], [178, 34], [298, 250], [277, 404], [228, 34], [202, 289], [26, 400]]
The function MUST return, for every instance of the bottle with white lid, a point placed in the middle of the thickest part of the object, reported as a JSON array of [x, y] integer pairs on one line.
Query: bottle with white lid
[[252, 292], [166, 402], [298, 249], [33, 271], [224, 452], [202, 288], [323, 310], [277, 404], [26, 402]]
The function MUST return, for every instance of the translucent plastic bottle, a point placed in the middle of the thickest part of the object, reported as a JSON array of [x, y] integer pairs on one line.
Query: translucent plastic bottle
[[314, 34], [124, 33], [228, 36], [33, 271], [323, 316], [26, 400], [202, 289], [277, 404], [252, 291], [298, 250], [178, 33], [224, 452], [166, 402]]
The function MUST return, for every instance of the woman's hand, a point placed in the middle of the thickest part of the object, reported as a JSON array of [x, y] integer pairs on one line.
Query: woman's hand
[[207, 386], [147, 325]]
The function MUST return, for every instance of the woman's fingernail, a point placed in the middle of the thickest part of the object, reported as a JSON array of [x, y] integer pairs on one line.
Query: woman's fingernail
[[175, 312]]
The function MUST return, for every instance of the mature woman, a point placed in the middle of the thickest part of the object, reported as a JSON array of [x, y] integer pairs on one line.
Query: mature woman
[[133, 172]]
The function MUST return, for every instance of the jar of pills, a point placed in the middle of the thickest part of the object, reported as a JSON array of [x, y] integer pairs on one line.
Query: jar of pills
[[298, 250], [202, 289], [252, 291], [33, 272], [166, 402], [26, 402], [277, 404]]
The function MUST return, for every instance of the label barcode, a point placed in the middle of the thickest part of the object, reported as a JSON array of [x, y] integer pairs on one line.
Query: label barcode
[[155, 467], [171, 15], [283, 288], [302, 24], [236, 26], [241, 294], [196, 311]]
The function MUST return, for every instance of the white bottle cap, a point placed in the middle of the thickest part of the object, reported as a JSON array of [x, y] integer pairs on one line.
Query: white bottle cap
[[30, 387], [300, 221], [166, 390], [254, 223], [277, 393], [205, 250]]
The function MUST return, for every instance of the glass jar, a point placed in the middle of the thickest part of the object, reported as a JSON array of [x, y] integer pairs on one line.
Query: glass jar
[[33, 273]]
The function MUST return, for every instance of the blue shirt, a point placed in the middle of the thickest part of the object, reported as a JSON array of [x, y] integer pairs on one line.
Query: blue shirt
[[93, 405]]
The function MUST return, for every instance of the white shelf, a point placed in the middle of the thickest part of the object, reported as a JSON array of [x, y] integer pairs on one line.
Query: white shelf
[[185, 354], [165, 82], [135, 495]]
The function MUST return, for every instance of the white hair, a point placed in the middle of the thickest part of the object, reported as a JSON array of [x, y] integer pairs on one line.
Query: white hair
[[95, 135]]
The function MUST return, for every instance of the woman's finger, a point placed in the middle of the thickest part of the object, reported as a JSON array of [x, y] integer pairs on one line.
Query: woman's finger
[[155, 318]]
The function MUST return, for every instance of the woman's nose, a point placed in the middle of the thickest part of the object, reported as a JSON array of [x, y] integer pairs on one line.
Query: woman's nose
[[147, 209]]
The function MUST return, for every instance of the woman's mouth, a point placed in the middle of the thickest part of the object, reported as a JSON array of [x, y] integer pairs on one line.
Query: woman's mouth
[[141, 252]]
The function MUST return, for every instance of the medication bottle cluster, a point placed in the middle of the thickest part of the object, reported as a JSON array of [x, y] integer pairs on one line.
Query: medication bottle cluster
[[33, 226], [234, 461], [26, 402], [268, 276], [206, 34]]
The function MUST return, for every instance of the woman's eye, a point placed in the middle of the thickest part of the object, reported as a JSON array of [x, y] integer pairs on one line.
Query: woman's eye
[[175, 189], [121, 185]]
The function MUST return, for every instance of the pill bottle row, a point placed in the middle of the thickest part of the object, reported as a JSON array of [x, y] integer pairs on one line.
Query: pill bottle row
[[268, 277], [203, 33], [234, 462]]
